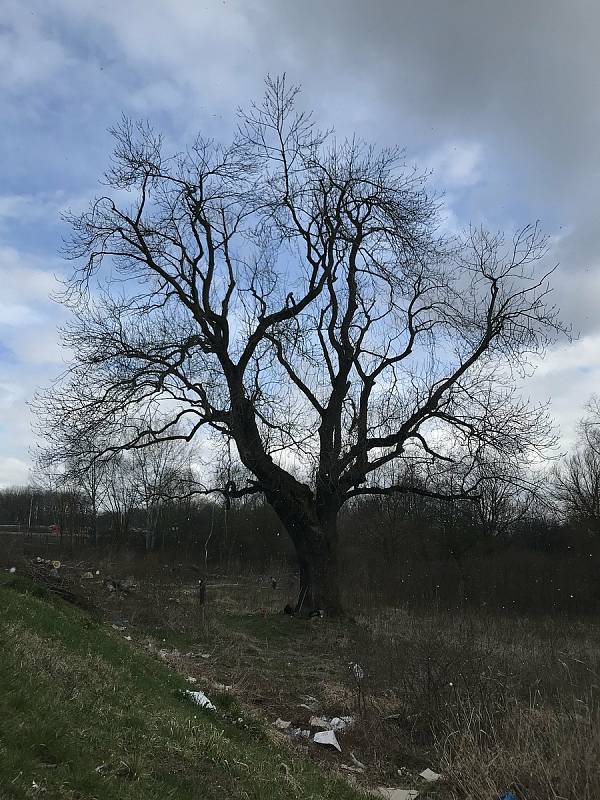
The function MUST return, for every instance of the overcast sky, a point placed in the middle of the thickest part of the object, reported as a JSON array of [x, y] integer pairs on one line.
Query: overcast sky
[[500, 99]]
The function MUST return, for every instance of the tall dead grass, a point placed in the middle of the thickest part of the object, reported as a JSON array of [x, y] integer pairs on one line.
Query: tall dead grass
[[541, 752]]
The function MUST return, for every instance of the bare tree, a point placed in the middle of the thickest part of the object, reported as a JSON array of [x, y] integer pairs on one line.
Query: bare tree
[[67, 460], [160, 474], [577, 480], [506, 498], [291, 293]]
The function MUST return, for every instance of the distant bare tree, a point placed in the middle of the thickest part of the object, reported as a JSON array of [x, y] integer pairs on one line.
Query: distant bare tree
[[291, 293], [67, 460], [577, 480], [505, 499], [160, 474]]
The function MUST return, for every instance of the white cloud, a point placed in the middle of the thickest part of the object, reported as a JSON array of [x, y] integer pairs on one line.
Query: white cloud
[[17, 315], [13, 471], [457, 164], [567, 376], [26, 277]]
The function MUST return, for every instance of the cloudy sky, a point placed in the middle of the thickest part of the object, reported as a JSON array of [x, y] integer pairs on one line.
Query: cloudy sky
[[500, 99]]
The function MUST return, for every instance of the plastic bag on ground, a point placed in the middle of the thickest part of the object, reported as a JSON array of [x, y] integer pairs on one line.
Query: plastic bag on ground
[[395, 794], [327, 737], [341, 723], [430, 775], [200, 699]]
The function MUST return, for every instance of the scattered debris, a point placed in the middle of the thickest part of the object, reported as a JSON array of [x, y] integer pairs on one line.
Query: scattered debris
[[430, 775], [357, 671], [118, 627], [510, 795], [87, 575], [395, 794], [118, 586], [310, 703], [335, 723], [128, 638], [327, 737], [356, 762], [352, 768], [222, 687], [200, 699], [341, 723], [302, 733], [281, 724], [56, 564], [190, 679]]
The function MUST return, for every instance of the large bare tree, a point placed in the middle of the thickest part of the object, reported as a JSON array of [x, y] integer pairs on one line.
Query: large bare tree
[[292, 293]]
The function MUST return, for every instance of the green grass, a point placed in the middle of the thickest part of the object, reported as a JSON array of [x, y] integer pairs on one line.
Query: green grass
[[84, 714]]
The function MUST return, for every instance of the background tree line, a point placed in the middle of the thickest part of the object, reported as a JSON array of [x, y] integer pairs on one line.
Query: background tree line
[[530, 547]]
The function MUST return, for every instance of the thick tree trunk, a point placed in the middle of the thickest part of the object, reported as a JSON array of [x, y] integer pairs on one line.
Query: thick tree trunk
[[316, 543], [319, 580]]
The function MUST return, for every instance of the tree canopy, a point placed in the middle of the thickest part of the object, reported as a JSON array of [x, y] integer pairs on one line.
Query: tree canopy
[[296, 295]]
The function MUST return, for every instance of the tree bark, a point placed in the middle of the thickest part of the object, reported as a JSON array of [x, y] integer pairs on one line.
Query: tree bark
[[316, 543], [319, 579]]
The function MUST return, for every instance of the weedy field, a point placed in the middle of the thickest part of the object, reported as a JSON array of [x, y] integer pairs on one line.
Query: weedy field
[[495, 704]]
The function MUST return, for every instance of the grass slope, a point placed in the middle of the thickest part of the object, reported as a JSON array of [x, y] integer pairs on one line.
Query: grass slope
[[84, 715]]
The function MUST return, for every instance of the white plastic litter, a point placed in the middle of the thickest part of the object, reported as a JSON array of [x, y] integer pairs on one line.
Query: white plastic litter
[[201, 699], [189, 679], [341, 723], [12, 571], [281, 724], [395, 794], [327, 737], [430, 775], [319, 722], [301, 733]]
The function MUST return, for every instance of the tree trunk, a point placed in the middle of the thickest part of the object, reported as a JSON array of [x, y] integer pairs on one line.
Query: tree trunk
[[316, 543], [319, 579]]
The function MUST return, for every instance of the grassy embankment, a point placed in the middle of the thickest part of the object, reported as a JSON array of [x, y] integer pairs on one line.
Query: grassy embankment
[[85, 714]]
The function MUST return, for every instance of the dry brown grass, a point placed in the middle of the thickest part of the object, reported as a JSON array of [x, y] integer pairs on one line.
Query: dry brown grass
[[541, 752]]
